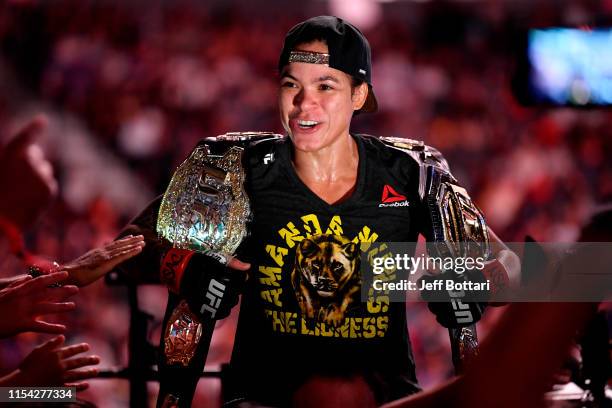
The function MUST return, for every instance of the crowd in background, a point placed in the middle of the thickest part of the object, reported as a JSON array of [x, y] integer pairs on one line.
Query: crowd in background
[[131, 88]]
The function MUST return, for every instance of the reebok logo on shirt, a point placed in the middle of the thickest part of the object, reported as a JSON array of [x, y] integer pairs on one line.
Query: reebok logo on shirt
[[391, 198]]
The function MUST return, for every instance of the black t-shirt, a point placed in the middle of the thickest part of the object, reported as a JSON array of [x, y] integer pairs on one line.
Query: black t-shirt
[[302, 313]]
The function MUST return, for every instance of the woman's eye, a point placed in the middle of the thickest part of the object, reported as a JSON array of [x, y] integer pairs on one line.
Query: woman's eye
[[325, 87], [288, 85]]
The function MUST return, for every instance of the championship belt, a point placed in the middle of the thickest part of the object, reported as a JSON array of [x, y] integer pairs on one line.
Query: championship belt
[[205, 210], [205, 207], [458, 228]]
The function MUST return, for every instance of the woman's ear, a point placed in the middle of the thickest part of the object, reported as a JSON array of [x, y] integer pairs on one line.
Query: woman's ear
[[360, 94]]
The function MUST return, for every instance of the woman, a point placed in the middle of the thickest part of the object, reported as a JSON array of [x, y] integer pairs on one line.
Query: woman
[[317, 206]]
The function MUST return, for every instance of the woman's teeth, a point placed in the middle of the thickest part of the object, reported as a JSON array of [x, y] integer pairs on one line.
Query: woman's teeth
[[307, 123]]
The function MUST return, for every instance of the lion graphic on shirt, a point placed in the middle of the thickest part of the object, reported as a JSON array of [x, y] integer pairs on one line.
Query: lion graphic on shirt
[[326, 278]]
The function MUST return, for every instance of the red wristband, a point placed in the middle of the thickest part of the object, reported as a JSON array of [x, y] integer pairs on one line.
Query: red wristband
[[173, 266]]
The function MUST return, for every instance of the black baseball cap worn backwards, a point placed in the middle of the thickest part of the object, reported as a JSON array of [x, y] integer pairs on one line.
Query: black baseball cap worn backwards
[[349, 50]]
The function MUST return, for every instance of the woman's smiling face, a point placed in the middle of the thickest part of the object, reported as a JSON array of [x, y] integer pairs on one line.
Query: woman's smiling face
[[316, 102]]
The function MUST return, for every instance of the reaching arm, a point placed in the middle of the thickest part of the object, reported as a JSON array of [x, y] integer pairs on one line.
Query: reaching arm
[[50, 364], [145, 267]]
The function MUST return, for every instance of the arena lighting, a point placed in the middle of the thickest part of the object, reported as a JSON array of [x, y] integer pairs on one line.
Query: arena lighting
[[569, 66], [365, 14]]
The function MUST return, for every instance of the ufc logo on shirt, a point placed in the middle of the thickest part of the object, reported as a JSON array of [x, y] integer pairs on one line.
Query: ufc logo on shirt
[[214, 296]]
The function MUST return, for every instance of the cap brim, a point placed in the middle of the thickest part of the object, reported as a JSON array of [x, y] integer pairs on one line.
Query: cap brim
[[371, 104]]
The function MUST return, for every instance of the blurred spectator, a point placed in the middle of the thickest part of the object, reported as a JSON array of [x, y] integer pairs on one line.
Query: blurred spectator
[[51, 365], [25, 299], [27, 184]]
